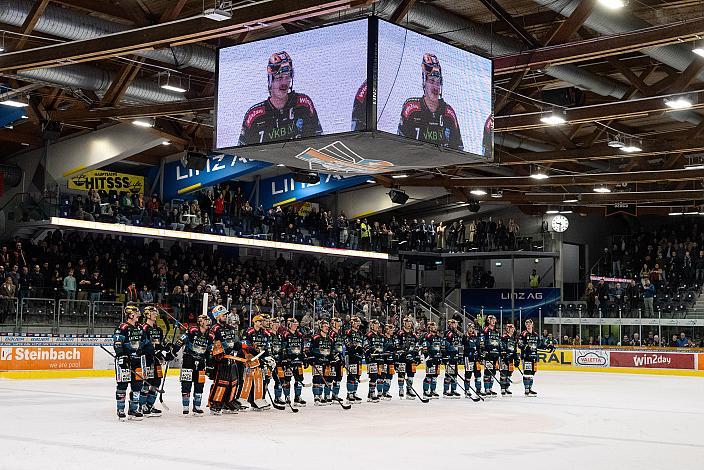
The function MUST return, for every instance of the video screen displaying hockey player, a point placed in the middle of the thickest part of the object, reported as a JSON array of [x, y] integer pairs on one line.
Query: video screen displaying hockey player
[[434, 92], [290, 87]]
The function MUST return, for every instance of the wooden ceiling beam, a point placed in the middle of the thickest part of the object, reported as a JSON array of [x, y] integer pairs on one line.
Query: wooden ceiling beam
[[584, 114], [30, 22], [148, 110], [575, 21], [401, 11], [601, 47], [585, 179], [187, 31]]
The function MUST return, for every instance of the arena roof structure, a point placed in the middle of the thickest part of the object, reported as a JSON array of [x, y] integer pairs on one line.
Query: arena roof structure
[[623, 85]]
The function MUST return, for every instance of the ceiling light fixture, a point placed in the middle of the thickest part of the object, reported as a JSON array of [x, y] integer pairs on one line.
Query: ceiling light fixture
[[567, 201], [552, 211], [399, 176], [143, 123], [675, 213], [370, 181], [691, 213], [566, 212], [602, 189], [699, 50], [613, 4], [217, 14], [553, 119], [165, 142], [14, 103], [631, 148], [678, 103], [539, 174], [478, 192]]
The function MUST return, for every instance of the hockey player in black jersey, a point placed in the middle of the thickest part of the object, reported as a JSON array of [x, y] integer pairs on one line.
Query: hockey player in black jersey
[[529, 342], [196, 346], [374, 355], [491, 347], [508, 358], [321, 353], [471, 350], [407, 358], [153, 356], [129, 342], [451, 352], [429, 118], [354, 348], [338, 356], [276, 352], [226, 346], [388, 370], [432, 350], [292, 364], [286, 114]]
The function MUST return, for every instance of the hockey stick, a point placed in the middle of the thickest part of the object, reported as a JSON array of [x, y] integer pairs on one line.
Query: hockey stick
[[138, 375], [338, 400], [420, 397], [454, 378], [274, 404]]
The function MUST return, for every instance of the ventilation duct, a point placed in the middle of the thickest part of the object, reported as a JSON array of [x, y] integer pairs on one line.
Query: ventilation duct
[[64, 23], [11, 175]]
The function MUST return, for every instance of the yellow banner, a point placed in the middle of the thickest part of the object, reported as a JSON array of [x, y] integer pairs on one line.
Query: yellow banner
[[107, 181]]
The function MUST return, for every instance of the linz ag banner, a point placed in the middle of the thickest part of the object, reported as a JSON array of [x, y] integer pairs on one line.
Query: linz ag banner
[[653, 360], [496, 301], [107, 182], [283, 189], [179, 180]]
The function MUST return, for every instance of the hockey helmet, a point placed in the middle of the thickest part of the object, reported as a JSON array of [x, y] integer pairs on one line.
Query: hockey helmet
[[204, 318], [258, 318], [132, 310], [218, 311], [431, 67], [279, 63]]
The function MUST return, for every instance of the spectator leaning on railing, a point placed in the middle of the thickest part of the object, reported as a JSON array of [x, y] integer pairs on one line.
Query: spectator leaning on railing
[[8, 292]]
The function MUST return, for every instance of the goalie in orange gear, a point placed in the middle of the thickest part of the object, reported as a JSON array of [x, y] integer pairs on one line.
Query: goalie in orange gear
[[255, 346]]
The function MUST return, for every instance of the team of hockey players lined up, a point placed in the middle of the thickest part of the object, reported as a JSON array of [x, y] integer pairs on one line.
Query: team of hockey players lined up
[[242, 368]]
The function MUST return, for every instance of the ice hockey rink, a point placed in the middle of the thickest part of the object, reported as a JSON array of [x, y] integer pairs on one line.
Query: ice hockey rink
[[580, 420]]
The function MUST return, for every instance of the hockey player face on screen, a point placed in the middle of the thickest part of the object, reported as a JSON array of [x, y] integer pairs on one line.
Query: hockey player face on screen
[[280, 86], [433, 89]]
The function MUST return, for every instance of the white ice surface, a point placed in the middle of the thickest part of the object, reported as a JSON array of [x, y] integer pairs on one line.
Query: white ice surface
[[579, 421]]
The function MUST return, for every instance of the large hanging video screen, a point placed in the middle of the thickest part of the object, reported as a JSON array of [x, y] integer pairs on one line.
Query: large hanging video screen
[[433, 92], [300, 85]]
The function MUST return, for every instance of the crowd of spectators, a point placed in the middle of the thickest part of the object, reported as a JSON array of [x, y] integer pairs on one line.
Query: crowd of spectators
[[81, 266], [651, 340], [227, 211], [662, 268]]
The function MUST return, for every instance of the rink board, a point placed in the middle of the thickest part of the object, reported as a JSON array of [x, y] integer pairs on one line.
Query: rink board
[[69, 356]]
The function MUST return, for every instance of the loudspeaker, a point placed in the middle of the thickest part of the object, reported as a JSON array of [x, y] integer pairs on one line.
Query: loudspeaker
[[195, 161], [308, 178], [397, 196], [473, 206]]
